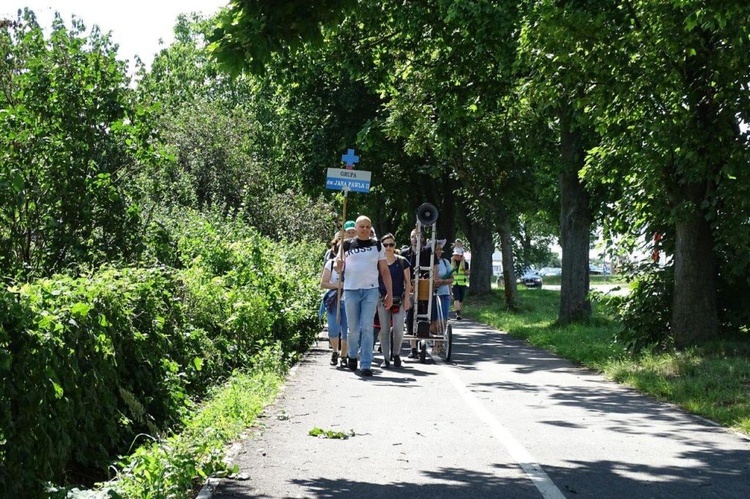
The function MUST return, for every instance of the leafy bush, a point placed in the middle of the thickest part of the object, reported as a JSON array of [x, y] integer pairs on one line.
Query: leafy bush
[[734, 306], [251, 282], [645, 312], [277, 215], [91, 361], [87, 363], [172, 466]]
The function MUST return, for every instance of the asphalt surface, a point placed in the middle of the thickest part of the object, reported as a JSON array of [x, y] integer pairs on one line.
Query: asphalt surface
[[501, 419]]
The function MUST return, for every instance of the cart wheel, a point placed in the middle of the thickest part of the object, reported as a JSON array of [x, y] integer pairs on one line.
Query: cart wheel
[[423, 351], [448, 342]]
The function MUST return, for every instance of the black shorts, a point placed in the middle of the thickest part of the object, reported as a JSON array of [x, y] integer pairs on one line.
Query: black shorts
[[459, 292]]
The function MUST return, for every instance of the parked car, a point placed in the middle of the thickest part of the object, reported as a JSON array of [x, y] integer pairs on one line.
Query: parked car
[[598, 270], [545, 271], [531, 280]]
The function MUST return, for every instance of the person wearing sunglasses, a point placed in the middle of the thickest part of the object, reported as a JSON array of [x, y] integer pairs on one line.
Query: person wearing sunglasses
[[393, 316]]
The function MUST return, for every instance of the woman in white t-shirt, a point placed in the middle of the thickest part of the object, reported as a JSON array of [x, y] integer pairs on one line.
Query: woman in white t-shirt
[[337, 325]]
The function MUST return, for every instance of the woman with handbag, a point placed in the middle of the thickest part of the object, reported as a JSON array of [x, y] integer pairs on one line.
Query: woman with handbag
[[337, 325], [394, 316]]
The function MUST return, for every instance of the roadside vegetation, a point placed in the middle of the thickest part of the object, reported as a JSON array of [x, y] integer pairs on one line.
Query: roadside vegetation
[[133, 373], [161, 233], [152, 266], [178, 465], [712, 381]]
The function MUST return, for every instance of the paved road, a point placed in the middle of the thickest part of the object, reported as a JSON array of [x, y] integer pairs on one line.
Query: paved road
[[501, 419]]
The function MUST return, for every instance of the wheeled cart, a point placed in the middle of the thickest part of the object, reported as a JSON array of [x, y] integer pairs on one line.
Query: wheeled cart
[[441, 341], [441, 335]]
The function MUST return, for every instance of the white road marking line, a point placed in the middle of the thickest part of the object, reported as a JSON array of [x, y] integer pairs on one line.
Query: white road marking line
[[533, 470]]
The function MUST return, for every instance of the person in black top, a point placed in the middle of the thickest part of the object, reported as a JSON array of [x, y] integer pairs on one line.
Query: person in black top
[[401, 282]]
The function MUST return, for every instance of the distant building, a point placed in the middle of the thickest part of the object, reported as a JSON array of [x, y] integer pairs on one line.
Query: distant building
[[497, 264]]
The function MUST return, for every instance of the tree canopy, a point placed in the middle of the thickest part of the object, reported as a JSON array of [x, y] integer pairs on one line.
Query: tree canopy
[[644, 100], [522, 121]]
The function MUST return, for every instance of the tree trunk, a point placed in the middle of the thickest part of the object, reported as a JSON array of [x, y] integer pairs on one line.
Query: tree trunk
[[447, 219], [482, 248], [694, 309], [575, 228], [694, 304], [509, 273]]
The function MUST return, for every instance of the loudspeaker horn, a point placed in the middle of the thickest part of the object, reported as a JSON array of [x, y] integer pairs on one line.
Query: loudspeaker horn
[[427, 214]]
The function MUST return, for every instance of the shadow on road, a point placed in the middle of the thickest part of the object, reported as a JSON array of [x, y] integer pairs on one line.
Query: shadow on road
[[455, 483], [636, 447]]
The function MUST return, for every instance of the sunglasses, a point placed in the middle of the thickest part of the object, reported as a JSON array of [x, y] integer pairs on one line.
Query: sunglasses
[[389, 245]]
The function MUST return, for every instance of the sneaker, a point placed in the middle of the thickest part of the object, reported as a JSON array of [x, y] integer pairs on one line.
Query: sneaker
[[396, 361], [353, 364], [334, 358], [413, 354], [458, 317], [366, 372], [385, 364], [344, 361]]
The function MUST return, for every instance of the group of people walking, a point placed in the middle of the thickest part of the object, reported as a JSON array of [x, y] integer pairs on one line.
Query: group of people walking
[[365, 275]]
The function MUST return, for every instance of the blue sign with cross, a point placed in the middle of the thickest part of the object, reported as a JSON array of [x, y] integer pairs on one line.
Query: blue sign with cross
[[349, 179]]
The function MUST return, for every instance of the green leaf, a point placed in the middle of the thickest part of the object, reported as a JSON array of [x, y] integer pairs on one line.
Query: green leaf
[[198, 363], [81, 309], [321, 433], [58, 390]]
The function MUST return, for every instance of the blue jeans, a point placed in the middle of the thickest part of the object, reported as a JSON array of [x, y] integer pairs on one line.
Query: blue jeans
[[444, 302], [360, 313], [333, 327]]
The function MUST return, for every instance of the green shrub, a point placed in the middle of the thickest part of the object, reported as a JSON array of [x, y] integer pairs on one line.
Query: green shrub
[[171, 467], [265, 291], [93, 361], [87, 363], [645, 312]]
